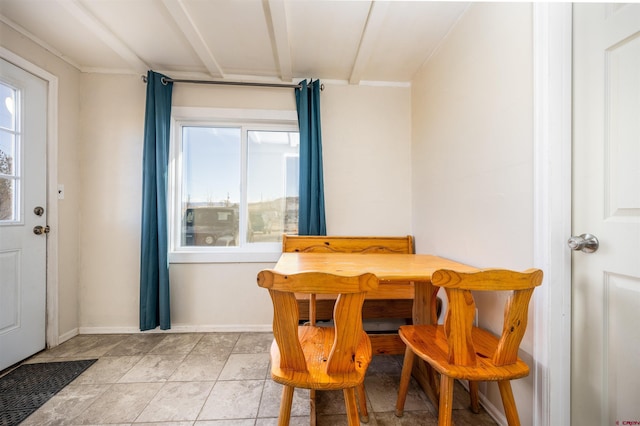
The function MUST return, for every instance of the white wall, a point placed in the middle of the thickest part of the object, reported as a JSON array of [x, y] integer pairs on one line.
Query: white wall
[[111, 128], [68, 170], [472, 155], [368, 196], [367, 160]]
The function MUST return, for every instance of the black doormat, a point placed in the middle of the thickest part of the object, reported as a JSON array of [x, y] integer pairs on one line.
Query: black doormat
[[25, 389]]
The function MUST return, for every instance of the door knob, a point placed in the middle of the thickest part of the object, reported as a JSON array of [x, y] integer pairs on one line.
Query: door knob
[[586, 242], [39, 230]]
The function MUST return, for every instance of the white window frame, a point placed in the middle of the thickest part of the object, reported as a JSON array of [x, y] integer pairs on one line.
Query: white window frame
[[277, 120]]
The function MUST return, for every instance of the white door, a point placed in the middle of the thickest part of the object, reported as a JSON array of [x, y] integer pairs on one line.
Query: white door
[[23, 122], [605, 363]]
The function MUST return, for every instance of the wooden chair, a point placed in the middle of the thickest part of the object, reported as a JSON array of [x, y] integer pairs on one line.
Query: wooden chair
[[389, 301], [319, 358], [458, 350]]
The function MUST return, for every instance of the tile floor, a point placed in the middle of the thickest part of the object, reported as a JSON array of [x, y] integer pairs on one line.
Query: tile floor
[[211, 379]]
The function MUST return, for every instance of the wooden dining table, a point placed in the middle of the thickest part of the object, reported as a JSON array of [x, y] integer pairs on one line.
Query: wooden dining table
[[389, 268]]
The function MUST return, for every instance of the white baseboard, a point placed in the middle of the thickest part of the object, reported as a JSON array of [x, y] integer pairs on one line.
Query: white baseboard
[[68, 335], [232, 328], [493, 411]]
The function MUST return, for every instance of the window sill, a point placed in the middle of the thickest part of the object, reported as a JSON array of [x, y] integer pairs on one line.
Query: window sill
[[226, 257]]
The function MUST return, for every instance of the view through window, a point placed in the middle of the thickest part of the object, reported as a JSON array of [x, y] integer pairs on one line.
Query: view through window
[[237, 186]]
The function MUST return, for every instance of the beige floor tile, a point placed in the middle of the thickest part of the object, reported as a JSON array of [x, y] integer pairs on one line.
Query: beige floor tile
[[251, 343], [410, 418], [273, 421], [136, 344], [108, 369], [460, 396], [233, 400], [198, 368], [271, 396], [177, 401], [67, 404], [339, 420], [382, 392], [153, 368], [173, 344], [96, 345], [220, 379], [245, 367], [217, 345], [121, 403], [44, 358], [465, 417], [84, 346], [331, 402]]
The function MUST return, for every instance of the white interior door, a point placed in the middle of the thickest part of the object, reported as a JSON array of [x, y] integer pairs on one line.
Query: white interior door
[[605, 371], [23, 121]]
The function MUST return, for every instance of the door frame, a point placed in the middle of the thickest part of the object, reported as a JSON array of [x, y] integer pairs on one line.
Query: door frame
[[552, 94], [52, 326]]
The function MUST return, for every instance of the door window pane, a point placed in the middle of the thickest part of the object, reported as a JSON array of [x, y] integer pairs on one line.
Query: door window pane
[[7, 153], [7, 200], [7, 107], [9, 178]]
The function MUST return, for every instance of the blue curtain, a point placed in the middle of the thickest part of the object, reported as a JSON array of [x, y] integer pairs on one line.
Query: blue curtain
[[154, 263], [311, 219]]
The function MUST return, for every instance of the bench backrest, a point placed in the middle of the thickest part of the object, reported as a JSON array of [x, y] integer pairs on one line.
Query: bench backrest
[[347, 244]]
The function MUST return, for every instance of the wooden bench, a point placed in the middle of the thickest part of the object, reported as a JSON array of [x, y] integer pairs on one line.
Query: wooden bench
[[389, 301]]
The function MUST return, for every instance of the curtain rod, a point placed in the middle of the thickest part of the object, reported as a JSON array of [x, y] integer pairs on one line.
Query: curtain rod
[[165, 80]]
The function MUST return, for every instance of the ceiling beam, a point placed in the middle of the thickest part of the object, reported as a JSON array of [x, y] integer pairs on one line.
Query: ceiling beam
[[106, 35], [181, 16], [276, 15], [375, 19]]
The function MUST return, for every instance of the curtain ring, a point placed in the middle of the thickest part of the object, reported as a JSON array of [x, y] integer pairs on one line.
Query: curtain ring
[[163, 81]]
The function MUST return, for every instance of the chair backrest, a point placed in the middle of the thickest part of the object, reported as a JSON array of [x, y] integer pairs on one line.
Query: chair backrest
[[342, 244], [347, 314], [461, 310]]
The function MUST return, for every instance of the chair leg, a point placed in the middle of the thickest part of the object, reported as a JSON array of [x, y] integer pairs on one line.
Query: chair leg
[[362, 402], [312, 392], [312, 407], [352, 407], [285, 406], [509, 403], [434, 381], [405, 378], [473, 396], [446, 401]]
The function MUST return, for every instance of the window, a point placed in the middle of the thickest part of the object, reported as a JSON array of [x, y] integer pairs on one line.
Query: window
[[235, 184], [9, 151]]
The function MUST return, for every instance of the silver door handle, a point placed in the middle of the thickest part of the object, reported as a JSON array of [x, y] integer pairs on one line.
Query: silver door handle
[[586, 242], [39, 230]]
